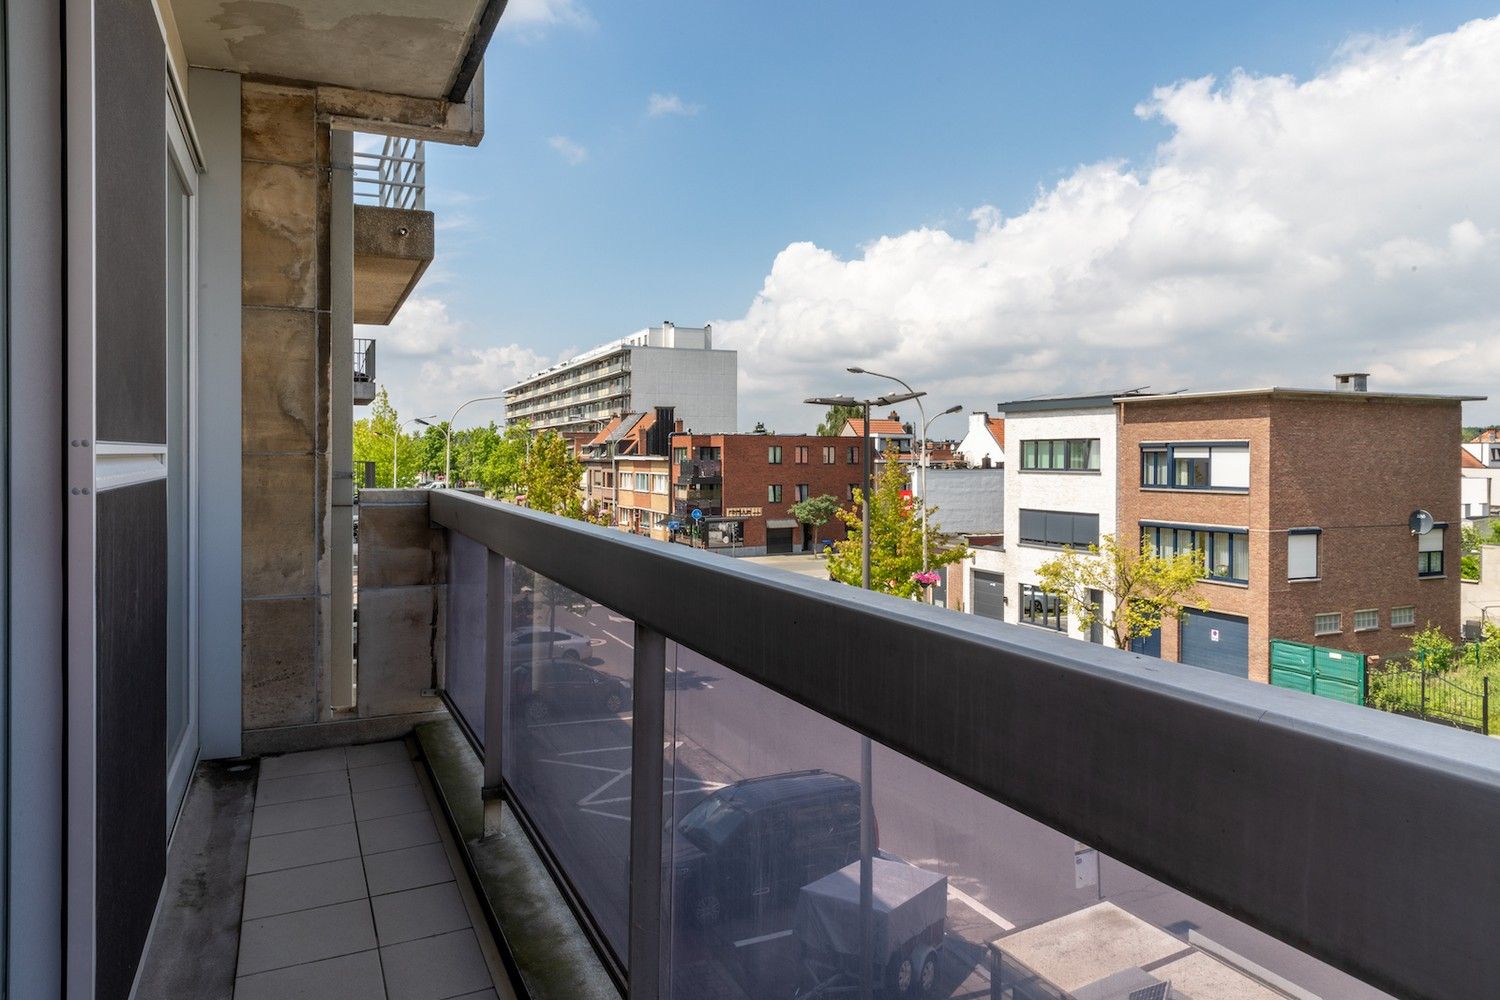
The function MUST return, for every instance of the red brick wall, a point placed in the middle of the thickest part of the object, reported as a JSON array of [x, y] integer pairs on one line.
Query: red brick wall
[[1231, 418], [1357, 469], [1354, 466], [748, 474]]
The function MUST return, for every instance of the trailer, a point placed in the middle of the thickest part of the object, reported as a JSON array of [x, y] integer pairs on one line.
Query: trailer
[[909, 912]]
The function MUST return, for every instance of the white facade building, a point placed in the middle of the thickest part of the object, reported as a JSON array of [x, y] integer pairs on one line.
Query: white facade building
[[1060, 489], [983, 446], [1480, 471], [663, 365]]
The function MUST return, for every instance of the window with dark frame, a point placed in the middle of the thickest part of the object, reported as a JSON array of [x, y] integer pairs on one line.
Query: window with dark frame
[[829, 454], [773, 493], [773, 454], [1211, 466], [1060, 455], [802, 492], [1042, 609], [854, 456], [1058, 529], [1430, 551], [1226, 552]]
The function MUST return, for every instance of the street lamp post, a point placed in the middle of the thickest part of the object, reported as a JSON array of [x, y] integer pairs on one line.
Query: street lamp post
[[396, 442], [866, 749], [448, 438], [921, 456]]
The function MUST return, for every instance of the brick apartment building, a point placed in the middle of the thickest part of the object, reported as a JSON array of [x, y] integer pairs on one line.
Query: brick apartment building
[[1300, 500], [746, 484]]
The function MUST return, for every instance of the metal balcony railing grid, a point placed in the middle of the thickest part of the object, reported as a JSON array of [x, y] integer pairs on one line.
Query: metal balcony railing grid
[[1213, 808], [395, 177], [364, 359]]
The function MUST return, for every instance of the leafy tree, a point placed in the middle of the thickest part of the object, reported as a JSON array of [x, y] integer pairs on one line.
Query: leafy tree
[[373, 439], [1146, 587], [552, 478], [1432, 649], [816, 512], [836, 417], [895, 537]]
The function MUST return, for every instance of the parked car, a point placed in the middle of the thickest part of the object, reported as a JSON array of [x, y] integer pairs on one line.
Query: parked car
[[563, 686], [550, 641], [764, 838]]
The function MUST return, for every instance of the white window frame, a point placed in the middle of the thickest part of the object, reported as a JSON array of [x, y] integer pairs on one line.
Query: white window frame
[[1338, 623], [1404, 610], [1296, 536], [1367, 628]]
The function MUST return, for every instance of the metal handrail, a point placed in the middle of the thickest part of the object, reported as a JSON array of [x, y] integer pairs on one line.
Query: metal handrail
[[364, 359], [1326, 825], [396, 177]]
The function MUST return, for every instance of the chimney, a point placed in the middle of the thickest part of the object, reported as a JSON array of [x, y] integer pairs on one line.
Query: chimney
[[1352, 382], [677, 426]]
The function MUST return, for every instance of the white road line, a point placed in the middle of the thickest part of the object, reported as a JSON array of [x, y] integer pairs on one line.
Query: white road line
[[981, 909], [575, 753], [762, 939], [627, 645], [601, 812], [586, 767], [581, 722]]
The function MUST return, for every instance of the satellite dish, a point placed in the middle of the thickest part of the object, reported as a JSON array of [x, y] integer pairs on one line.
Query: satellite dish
[[1420, 522]]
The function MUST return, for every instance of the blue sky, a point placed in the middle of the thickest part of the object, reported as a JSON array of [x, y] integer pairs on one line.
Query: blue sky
[[584, 216]]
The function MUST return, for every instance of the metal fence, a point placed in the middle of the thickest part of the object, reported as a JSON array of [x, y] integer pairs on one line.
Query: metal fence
[[395, 177], [364, 359], [987, 738], [1427, 694]]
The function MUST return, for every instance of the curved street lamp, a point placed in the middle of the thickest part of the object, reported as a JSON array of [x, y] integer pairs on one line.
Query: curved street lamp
[[396, 442], [448, 438], [921, 456]]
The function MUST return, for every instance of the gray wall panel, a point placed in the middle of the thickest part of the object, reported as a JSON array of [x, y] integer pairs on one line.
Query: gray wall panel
[[130, 66], [132, 792]]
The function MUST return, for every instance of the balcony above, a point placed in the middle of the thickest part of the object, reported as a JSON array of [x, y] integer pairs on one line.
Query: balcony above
[[364, 372], [355, 44]]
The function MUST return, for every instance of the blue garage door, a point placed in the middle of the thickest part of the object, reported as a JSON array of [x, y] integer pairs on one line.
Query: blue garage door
[[1217, 642], [1148, 644]]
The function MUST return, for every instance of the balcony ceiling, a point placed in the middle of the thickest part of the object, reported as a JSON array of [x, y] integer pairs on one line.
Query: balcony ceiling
[[417, 48]]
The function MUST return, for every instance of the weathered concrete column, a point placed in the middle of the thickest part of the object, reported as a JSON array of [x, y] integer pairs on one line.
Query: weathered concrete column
[[284, 439], [403, 572]]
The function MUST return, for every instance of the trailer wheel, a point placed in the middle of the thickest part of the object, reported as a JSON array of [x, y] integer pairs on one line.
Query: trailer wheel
[[902, 977], [707, 910], [927, 973]]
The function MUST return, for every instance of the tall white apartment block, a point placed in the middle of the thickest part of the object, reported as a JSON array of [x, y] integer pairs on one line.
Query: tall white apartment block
[[663, 365]]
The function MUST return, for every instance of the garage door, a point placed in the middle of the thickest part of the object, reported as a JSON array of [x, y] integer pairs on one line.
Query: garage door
[[778, 540], [1217, 642], [989, 594]]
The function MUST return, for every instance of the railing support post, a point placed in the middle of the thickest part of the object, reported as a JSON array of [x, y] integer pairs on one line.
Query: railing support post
[[496, 627], [647, 743], [1424, 691], [1486, 706]]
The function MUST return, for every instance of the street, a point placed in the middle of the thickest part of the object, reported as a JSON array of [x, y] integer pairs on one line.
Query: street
[[1004, 870]]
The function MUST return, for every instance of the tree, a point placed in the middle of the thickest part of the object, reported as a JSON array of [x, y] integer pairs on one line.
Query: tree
[[373, 439], [1146, 588], [552, 478], [836, 417], [895, 537], [816, 512]]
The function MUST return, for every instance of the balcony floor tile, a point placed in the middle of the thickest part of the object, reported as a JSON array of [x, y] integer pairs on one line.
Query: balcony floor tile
[[419, 913], [304, 888], [305, 936], [348, 977], [411, 868], [436, 968], [305, 847], [304, 814]]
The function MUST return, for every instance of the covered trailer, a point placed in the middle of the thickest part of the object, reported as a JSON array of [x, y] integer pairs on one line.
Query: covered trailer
[[910, 908]]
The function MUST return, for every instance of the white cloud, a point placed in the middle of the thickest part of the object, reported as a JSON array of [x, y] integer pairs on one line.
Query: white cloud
[[530, 19], [1283, 231], [569, 150], [427, 363], [660, 105]]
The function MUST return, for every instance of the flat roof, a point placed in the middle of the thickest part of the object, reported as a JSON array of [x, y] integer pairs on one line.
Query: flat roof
[[1076, 402], [1294, 393]]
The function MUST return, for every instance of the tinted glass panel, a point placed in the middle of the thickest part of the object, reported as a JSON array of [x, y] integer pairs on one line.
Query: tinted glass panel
[[568, 664]]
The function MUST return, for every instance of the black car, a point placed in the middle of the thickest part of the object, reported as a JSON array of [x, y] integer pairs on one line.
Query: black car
[[763, 838], [564, 686]]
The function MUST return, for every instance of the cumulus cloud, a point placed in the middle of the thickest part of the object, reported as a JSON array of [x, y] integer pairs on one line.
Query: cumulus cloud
[[661, 105], [427, 363], [1284, 230], [529, 19], [569, 150]]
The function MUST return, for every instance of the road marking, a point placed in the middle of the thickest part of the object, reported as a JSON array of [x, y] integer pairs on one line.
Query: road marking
[[586, 767], [581, 722], [601, 812], [762, 939], [627, 645], [575, 753], [616, 618], [981, 909]]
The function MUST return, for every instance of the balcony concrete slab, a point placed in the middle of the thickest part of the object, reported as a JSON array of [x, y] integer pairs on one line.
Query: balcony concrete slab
[[308, 814], [409, 868], [395, 833], [380, 803]]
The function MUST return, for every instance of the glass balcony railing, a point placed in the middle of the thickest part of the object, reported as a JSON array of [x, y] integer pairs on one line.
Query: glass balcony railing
[[784, 787]]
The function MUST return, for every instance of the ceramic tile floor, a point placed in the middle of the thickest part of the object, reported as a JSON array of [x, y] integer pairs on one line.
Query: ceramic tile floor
[[349, 892]]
